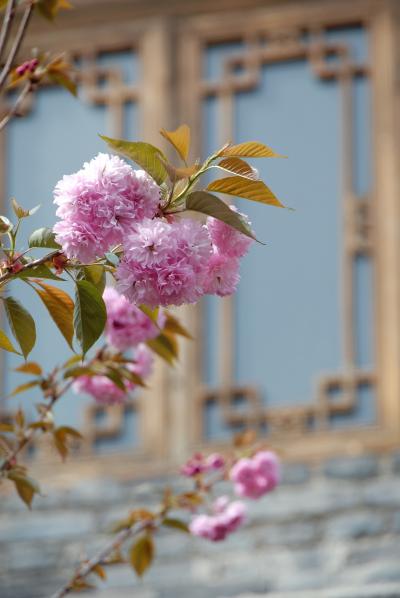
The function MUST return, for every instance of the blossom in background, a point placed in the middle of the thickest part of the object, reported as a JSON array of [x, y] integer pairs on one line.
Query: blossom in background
[[227, 517], [165, 262], [100, 205], [199, 464], [104, 391], [254, 477], [126, 324], [228, 241]]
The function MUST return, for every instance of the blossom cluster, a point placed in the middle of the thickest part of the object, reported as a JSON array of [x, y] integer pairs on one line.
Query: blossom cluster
[[252, 477], [167, 259], [127, 328]]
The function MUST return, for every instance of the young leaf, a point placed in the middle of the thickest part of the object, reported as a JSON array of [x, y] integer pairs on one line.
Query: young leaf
[[23, 387], [6, 344], [49, 8], [149, 157], [25, 486], [173, 325], [61, 308], [62, 78], [253, 190], [22, 325], [206, 203], [60, 444], [68, 431], [176, 524], [239, 167], [141, 554], [165, 346], [5, 225], [43, 237], [180, 139], [251, 149], [19, 211], [30, 367], [90, 314]]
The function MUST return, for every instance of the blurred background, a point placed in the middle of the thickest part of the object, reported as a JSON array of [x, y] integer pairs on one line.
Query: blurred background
[[307, 352]]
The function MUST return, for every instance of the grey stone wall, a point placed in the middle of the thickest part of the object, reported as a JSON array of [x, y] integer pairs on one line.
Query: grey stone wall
[[329, 531]]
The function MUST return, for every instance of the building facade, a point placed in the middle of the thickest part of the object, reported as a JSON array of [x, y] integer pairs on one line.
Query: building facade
[[308, 351]]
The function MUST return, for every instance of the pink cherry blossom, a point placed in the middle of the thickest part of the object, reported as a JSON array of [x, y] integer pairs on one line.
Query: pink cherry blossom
[[104, 391], [215, 461], [227, 517], [254, 477], [198, 463], [227, 240], [126, 324], [194, 466], [100, 204], [222, 275], [165, 262]]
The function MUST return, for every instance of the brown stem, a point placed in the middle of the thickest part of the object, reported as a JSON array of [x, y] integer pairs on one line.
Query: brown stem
[[7, 22], [17, 43], [18, 103], [99, 559], [33, 264], [28, 436]]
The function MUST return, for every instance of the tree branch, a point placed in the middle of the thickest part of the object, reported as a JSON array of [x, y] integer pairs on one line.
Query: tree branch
[[28, 436], [6, 26], [33, 264], [100, 558], [18, 103], [17, 43]]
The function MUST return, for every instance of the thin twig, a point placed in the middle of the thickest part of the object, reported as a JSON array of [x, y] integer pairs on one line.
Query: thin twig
[[33, 264], [28, 436], [6, 26], [100, 558], [18, 103], [17, 43]]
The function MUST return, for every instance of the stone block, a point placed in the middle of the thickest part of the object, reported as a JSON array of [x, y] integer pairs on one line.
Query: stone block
[[352, 468]]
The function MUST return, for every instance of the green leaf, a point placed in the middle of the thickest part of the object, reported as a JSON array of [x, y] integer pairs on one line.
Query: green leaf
[[6, 344], [61, 308], [165, 346], [95, 274], [141, 554], [21, 323], [77, 371], [43, 237], [206, 203], [90, 314], [253, 190], [180, 139], [251, 149], [176, 524], [238, 166], [149, 157], [150, 313], [30, 367], [40, 271]]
